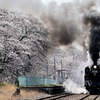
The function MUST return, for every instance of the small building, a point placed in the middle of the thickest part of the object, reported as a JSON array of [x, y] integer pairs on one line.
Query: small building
[[62, 75]]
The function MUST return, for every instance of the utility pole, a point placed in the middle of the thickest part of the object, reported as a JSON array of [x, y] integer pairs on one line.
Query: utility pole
[[61, 64], [81, 78], [47, 67], [54, 66], [62, 57]]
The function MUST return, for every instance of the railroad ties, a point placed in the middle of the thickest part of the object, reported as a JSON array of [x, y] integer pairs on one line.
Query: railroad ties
[[87, 97], [56, 97], [66, 96]]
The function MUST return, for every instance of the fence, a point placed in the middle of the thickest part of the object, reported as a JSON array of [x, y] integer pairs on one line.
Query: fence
[[34, 81]]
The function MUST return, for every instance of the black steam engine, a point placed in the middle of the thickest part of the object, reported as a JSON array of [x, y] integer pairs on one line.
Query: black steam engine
[[92, 78], [92, 73]]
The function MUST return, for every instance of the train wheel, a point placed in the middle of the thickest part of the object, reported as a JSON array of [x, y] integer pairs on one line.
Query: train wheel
[[93, 91]]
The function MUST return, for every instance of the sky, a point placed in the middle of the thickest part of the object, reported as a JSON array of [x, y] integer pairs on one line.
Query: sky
[[27, 6], [58, 1]]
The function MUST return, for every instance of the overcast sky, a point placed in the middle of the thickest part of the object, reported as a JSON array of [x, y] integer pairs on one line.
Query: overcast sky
[[58, 1], [27, 5]]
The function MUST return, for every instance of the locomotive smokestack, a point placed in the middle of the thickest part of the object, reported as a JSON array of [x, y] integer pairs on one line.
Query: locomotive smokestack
[[93, 17]]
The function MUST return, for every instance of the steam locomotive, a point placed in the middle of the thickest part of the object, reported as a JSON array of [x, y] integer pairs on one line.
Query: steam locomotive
[[92, 79], [92, 73]]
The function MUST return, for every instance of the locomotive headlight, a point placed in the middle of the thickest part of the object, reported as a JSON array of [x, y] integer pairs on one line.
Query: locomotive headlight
[[95, 66]]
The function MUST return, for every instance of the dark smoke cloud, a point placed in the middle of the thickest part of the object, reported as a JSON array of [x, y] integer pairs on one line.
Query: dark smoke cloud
[[64, 22], [93, 17]]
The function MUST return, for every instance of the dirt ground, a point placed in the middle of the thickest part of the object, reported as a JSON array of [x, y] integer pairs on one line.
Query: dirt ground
[[6, 93]]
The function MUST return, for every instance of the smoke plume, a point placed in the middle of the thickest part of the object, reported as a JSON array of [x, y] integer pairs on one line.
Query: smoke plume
[[93, 17], [64, 21], [62, 25]]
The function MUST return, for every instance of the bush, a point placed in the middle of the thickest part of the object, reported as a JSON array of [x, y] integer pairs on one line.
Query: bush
[[3, 84]]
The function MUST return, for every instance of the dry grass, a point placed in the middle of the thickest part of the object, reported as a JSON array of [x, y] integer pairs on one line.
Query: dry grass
[[6, 93]]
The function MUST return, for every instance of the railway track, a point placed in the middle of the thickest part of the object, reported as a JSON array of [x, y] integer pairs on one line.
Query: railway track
[[87, 97], [56, 97], [65, 97]]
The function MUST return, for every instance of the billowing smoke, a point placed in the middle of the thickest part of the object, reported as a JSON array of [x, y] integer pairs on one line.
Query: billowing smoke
[[93, 17], [72, 87], [64, 21]]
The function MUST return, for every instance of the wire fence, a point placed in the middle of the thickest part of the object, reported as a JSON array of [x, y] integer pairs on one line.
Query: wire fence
[[35, 81]]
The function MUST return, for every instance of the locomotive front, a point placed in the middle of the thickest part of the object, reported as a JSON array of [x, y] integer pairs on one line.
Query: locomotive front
[[92, 78]]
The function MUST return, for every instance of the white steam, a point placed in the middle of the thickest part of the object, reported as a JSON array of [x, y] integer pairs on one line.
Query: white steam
[[71, 87], [75, 82], [90, 62]]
